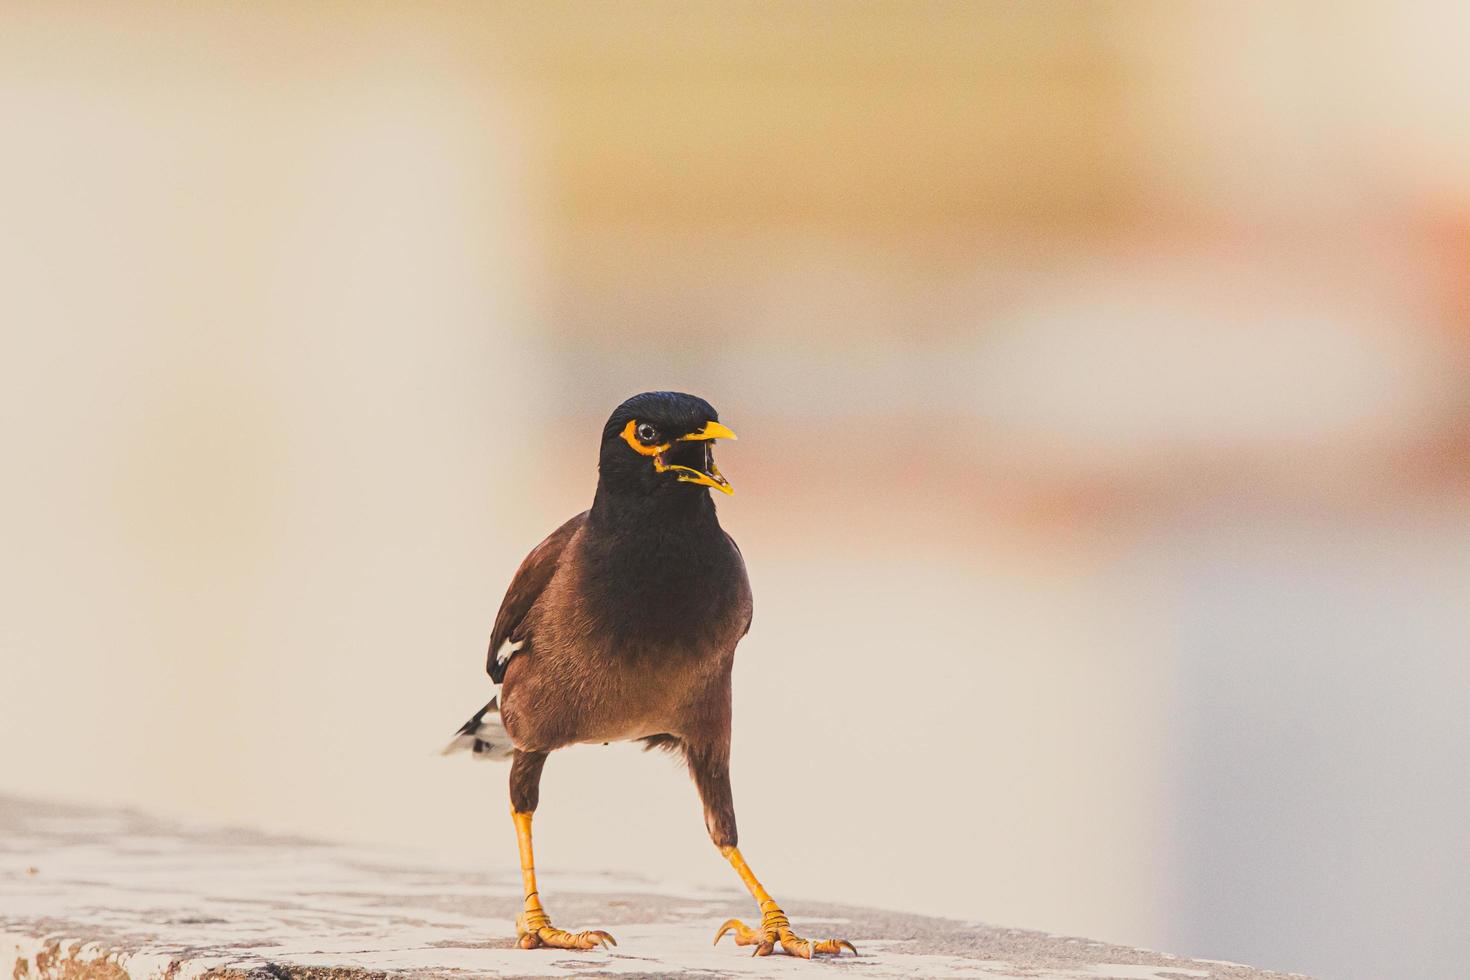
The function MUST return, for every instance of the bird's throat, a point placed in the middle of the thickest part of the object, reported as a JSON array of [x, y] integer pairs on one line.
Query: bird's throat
[[682, 510]]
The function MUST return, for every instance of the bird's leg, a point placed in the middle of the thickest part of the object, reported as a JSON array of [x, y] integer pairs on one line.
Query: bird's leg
[[533, 925], [775, 927], [711, 771]]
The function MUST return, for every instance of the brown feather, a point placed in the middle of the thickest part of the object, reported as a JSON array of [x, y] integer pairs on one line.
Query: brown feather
[[525, 588]]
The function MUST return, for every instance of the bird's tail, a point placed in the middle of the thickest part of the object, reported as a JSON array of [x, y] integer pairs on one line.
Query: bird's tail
[[484, 735]]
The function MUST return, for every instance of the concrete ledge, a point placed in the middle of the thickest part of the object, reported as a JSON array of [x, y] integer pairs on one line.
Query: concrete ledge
[[107, 895]]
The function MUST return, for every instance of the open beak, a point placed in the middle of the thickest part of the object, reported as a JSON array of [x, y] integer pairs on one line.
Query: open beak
[[708, 474]]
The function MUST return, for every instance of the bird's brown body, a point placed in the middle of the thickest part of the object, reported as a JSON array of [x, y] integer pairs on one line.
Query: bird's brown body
[[651, 673], [623, 625]]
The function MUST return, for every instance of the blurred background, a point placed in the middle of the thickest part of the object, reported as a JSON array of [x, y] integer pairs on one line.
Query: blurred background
[[1102, 373]]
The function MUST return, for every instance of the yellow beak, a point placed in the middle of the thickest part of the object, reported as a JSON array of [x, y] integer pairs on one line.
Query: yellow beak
[[687, 474], [711, 430], [712, 478]]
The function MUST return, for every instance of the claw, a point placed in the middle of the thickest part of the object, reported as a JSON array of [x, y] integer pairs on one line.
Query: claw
[[744, 935], [534, 934], [776, 929]]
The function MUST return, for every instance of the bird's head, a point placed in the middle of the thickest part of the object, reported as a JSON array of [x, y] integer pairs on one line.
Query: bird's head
[[662, 442]]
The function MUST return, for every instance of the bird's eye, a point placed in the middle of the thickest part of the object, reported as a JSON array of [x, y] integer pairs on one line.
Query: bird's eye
[[647, 433]]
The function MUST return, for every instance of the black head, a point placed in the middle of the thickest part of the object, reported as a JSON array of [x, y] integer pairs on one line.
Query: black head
[[661, 444]]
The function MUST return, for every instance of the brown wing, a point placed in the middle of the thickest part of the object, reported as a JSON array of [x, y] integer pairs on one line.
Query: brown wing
[[525, 589]]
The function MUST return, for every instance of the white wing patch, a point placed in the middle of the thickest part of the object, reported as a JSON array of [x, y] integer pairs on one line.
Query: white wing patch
[[508, 650]]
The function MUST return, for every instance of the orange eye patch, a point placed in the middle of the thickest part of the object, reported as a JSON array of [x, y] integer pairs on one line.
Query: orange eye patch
[[639, 447]]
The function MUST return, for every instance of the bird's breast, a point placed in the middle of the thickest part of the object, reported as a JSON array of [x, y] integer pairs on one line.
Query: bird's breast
[[628, 642]]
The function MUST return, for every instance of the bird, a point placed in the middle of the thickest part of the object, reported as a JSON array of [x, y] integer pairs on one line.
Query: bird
[[622, 626]]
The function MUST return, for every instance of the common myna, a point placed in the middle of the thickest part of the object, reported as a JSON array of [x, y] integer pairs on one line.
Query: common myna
[[622, 625]]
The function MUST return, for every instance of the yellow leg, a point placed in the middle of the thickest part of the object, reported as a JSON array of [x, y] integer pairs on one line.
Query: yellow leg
[[533, 925], [775, 927]]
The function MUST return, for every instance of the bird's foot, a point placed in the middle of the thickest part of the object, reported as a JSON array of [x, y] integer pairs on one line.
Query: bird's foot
[[775, 929], [535, 929]]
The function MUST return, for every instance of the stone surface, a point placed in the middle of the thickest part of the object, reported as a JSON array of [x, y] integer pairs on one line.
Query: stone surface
[[109, 894]]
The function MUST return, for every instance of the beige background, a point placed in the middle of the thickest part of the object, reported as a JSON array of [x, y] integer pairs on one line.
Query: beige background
[[1100, 372]]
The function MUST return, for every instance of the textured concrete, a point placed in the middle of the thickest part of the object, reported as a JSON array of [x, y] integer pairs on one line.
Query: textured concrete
[[110, 894]]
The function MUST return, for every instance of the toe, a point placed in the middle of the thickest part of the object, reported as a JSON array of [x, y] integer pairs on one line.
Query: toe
[[806, 948], [744, 935], [797, 947], [561, 939]]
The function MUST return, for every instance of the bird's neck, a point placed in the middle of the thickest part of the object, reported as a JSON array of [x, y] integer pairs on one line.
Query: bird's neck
[[671, 514], [650, 553]]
